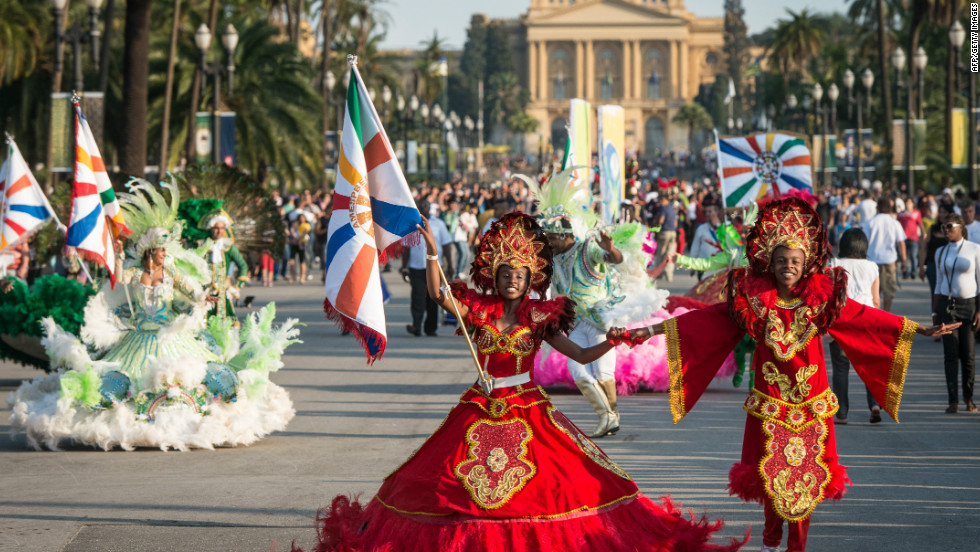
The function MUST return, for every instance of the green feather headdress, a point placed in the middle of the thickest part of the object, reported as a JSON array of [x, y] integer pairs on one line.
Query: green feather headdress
[[150, 216], [564, 205]]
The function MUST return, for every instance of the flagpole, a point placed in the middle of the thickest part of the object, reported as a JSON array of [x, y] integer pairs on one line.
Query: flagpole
[[3, 197], [485, 381]]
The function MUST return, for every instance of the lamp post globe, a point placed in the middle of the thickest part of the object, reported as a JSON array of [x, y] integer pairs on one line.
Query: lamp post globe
[[898, 58], [957, 34], [817, 92], [202, 38], [59, 4], [229, 38], [791, 101], [94, 4], [330, 80], [413, 103]]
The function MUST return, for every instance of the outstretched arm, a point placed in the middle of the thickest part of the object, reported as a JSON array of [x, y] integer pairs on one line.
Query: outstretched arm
[[433, 277], [583, 355]]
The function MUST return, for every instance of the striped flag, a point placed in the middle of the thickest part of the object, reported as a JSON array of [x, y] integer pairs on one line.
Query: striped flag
[[96, 219], [373, 210], [25, 210], [762, 165]]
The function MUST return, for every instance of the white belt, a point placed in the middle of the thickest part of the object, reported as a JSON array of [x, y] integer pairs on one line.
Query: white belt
[[511, 381]]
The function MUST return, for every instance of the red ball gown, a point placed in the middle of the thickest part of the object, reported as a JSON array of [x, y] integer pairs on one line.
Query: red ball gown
[[508, 472]]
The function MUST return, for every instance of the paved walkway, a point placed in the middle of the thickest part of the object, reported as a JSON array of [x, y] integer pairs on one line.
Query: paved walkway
[[916, 485]]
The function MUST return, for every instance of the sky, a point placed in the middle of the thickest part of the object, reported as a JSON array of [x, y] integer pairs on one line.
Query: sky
[[415, 21]]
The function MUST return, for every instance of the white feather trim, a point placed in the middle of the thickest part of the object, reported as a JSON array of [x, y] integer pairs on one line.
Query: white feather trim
[[36, 412], [102, 328]]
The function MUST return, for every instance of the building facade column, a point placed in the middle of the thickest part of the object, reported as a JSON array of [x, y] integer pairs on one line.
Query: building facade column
[[589, 71], [544, 89], [639, 83], [626, 79], [532, 69], [674, 78], [685, 72], [579, 69]]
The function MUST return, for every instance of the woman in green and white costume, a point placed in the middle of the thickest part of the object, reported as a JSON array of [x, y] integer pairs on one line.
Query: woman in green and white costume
[[150, 370]]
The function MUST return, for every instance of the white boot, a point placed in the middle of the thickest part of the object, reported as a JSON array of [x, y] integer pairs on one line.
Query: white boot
[[597, 398], [609, 390]]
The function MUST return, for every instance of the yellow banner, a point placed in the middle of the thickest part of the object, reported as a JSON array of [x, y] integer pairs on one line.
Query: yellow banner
[[580, 137], [959, 128], [612, 163]]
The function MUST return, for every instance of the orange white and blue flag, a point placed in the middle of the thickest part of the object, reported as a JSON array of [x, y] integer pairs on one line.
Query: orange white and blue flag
[[764, 165], [24, 209], [96, 219], [373, 211]]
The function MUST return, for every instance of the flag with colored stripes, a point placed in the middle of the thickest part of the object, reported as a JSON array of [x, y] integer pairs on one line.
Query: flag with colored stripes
[[24, 209], [96, 219], [373, 210], [762, 165]]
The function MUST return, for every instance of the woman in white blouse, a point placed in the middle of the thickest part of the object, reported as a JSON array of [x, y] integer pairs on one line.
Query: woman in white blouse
[[862, 287], [956, 300]]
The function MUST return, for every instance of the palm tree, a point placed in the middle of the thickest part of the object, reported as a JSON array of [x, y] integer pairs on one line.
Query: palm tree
[[277, 108], [795, 42], [135, 88], [695, 117], [21, 40]]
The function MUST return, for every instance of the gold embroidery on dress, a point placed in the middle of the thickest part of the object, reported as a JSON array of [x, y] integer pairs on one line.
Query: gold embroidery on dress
[[491, 491], [498, 459], [789, 304], [797, 500], [675, 369], [584, 443], [900, 363], [538, 316], [757, 307], [795, 451], [784, 342], [519, 343], [792, 393]]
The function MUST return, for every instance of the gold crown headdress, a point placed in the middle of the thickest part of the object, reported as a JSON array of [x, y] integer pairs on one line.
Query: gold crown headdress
[[516, 240], [788, 223]]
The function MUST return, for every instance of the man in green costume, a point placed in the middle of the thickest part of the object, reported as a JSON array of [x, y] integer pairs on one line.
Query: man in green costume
[[220, 252]]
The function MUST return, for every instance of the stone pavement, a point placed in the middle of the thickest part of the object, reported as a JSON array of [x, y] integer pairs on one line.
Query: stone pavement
[[916, 484]]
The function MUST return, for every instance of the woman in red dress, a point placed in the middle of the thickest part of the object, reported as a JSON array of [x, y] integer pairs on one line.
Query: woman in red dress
[[506, 470], [786, 300]]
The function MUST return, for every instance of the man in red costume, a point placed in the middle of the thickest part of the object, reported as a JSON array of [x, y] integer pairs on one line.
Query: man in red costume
[[786, 299]]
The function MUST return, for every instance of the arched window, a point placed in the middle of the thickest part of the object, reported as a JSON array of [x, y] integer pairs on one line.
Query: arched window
[[607, 73], [653, 137], [559, 134], [559, 73], [655, 72]]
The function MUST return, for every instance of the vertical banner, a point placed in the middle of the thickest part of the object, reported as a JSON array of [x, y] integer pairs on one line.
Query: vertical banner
[[400, 151], [976, 130], [868, 147], [850, 150], [959, 127], [898, 145], [580, 139], [227, 119], [62, 127], [332, 148], [612, 164], [919, 144], [202, 138], [831, 152], [412, 163]]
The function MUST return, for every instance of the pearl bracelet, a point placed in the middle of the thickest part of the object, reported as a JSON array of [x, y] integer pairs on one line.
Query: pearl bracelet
[[432, 258]]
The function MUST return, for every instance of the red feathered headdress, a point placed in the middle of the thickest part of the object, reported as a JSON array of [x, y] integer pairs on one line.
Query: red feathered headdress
[[791, 223], [516, 240]]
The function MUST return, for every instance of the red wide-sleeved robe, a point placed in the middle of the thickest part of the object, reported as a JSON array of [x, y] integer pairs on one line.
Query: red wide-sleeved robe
[[789, 455], [508, 472]]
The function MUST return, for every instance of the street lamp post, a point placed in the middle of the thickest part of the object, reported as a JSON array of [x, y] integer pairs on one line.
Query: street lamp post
[[738, 125], [425, 113], [920, 59], [832, 94], [386, 100], [76, 36], [448, 127], [791, 103], [867, 80], [820, 115], [229, 39], [957, 35]]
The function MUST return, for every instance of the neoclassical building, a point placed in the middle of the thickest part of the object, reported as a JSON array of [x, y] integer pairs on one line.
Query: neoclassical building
[[649, 56]]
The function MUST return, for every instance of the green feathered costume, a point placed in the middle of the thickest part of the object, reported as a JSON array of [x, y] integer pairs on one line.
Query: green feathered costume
[[199, 216]]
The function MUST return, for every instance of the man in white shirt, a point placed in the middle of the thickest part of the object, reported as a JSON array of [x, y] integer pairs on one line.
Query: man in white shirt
[[413, 265], [705, 241], [972, 225], [886, 246], [866, 209]]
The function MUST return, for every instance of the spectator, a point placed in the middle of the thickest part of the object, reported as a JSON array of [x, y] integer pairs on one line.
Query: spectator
[[886, 247], [425, 312], [911, 221], [667, 238], [970, 223]]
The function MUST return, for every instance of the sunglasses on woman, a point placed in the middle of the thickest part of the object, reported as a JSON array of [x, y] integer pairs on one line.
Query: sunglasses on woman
[[949, 226]]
